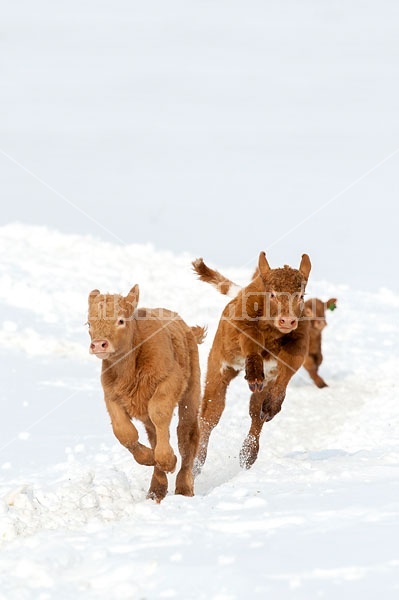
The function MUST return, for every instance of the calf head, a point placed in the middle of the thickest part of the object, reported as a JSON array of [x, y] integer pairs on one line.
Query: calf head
[[285, 289], [315, 310], [110, 322]]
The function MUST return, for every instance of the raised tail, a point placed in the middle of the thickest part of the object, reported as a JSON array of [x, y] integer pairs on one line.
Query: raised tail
[[220, 282], [199, 333]]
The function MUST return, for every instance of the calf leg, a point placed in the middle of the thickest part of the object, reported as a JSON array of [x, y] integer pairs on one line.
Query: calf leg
[[266, 404], [212, 406], [159, 482], [250, 448], [188, 435], [127, 434], [263, 406], [312, 367], [160, 411]]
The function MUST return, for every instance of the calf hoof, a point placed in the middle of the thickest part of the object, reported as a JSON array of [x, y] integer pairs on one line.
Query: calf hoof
[[256, 385], [265, 415], [269, 411], [143, 455], [185, 483], [254, 372], [184, 490], [159, 487], [249, 452], [321, 383], [157, 495], [167, 463]]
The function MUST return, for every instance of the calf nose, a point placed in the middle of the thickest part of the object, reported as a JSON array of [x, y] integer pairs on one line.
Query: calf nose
[[287, 322], [97, 346]]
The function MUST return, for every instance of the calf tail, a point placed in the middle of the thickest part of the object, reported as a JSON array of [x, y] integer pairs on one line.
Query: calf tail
[[220, 282], [199, 333]]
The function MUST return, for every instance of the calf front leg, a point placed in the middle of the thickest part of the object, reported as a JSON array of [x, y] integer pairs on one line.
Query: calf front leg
[[263, 406], [266, 404], [254, 372], [271, 404], [287, 364], [250, 448], [159, 481], [159, 486], [127, 434], [251, 344]]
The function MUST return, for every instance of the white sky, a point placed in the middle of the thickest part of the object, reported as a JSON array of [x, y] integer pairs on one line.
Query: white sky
[[215, 128]]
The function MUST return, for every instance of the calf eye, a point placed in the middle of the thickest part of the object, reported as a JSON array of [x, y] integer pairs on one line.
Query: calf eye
[[121, 321], [272, 295]]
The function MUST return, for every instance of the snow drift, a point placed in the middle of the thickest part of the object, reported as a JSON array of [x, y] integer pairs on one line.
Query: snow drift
[[317, 515]]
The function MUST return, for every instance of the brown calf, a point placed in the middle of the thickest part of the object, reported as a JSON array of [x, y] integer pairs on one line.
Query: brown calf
[[149, 365], [315, 310], [261, 331]]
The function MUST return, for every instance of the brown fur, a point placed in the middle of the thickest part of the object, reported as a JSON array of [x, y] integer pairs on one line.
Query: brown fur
[[315, 310], [149, 366], [251, 335], [219, 281]]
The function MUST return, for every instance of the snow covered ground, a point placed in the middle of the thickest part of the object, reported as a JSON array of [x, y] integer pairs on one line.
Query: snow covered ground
[[159, 121], [316, 517]]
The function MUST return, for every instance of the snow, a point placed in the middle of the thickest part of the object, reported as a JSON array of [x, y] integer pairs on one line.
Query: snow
[[316, 516], [134, 135]]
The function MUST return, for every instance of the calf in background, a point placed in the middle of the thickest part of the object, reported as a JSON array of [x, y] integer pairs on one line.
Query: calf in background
[[315, 310]]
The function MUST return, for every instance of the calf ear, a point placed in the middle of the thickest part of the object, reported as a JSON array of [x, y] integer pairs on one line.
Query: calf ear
[[132, 299], [305, 266], [93, 294], [263, 265], [331, 304]]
